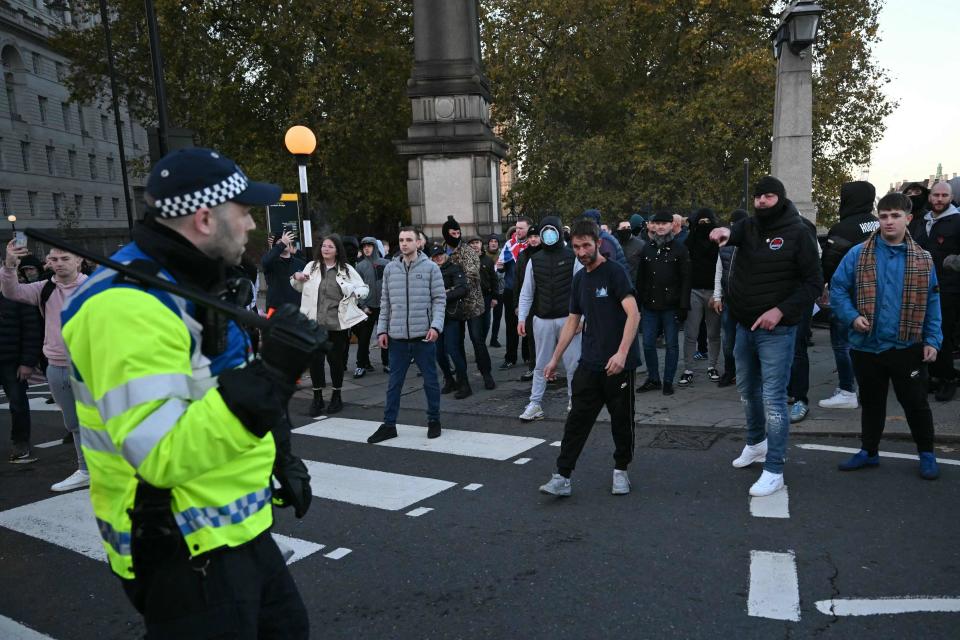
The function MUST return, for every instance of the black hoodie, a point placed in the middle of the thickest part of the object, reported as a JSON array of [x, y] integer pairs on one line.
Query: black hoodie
[[703, 251], [856, 224]]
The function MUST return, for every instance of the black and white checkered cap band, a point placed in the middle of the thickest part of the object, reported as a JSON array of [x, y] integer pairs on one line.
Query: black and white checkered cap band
[[209, 197]]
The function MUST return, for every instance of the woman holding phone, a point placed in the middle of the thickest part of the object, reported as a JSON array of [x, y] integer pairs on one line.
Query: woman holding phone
[[332, 291]]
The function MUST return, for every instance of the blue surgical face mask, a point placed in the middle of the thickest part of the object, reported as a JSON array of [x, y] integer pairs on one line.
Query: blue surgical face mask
[[549, 236]]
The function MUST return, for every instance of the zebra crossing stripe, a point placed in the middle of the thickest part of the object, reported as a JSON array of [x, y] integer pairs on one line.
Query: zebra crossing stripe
[[13, 630], [67, 521], [472, 444], [369, 488]]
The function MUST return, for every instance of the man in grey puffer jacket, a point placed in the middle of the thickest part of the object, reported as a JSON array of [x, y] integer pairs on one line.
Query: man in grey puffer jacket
[[412, 306], [370, 268]]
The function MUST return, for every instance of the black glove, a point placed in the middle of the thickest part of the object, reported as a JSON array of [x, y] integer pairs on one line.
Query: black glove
[[291, 474], [290, 343], [256, 396], [682, 315]]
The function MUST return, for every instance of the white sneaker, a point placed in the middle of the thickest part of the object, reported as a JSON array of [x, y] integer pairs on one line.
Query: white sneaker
[[78, 480], [621, 483], [769, 483], [557, 486], [751, 453], [532, 412], [840, 400]]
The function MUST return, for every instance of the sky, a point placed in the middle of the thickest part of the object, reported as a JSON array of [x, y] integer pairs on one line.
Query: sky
[[919, 49]]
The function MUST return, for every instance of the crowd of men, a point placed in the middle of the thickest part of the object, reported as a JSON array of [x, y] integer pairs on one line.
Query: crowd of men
[[179, 419]]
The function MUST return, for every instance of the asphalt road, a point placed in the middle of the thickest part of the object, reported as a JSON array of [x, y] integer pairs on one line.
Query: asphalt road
[[680, 557]]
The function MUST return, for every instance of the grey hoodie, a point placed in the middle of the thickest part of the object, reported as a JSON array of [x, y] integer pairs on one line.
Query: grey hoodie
[[371, 270]]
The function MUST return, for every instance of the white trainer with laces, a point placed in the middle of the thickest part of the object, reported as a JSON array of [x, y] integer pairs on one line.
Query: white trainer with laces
[[621, 483], [768, 484], [533, 412], [841, 400], [557, 486], [751, 453], [77, 480]]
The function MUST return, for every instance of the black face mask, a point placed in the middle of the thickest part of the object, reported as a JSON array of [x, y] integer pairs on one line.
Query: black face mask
[[919, 203], [623, 235]]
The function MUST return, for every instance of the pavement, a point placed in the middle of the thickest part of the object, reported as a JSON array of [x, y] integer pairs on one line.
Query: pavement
[[702, 405]]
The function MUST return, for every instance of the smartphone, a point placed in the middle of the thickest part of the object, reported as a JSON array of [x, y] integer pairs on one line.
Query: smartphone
[[19, 239], [291, 227]]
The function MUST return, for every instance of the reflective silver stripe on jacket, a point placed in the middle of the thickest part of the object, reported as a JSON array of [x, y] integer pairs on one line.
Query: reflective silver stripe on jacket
[[161, 386], [119, 540], [140, 442], [96, 440]]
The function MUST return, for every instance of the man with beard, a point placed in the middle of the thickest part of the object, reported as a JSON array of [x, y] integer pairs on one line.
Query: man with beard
[[608, 358], [471, 306], [938, 231], [856, 224], [546, 289], [774, 279], [632, 246], [703, 267]]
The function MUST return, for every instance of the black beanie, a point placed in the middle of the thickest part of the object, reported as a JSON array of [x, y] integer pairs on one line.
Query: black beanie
[[451, 223], [769, 184]]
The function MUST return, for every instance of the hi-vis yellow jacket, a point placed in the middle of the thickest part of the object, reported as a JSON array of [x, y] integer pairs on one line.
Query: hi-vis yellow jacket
[[149, 407]]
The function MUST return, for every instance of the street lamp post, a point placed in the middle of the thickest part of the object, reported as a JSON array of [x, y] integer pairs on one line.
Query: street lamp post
[[301, 142], [792, 158], [746, 183]]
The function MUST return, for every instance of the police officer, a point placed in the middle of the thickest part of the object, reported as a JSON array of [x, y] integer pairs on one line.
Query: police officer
[[182, 429]]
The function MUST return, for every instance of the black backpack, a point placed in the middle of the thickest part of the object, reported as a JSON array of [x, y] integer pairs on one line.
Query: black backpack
[[48, 288]]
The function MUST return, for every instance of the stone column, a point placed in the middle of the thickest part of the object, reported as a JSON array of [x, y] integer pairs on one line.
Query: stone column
[[452, 153], [792, 160]]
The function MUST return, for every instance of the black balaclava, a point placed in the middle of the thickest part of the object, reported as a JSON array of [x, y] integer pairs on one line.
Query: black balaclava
[[451, 223], [856, 198], [769, 184], [919, 201], [551, 233], [697, 227], [623, 235]]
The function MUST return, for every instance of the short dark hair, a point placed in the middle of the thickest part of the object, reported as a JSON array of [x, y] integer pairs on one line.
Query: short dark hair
[[895, 201], [585, 227], [412, 230], [526, 219]]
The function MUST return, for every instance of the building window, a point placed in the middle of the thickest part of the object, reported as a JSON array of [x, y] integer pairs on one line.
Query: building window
[[58, 204], [65, 109], [97, 205], [25, 155], [83, 125], [105, 126], [3, 163], [72, 163], [11, 97], [60, 70], [111, 172], [93, 167], [116, 207], [51, 160], [4, 202], [78, 203], [43, 109], [37, 63], [32, 202]]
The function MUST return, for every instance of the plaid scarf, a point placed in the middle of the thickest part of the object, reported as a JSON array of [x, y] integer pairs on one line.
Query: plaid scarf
[[916, 284]]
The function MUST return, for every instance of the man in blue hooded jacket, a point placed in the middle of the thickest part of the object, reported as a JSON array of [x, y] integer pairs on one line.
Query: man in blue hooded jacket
[[886, 291]]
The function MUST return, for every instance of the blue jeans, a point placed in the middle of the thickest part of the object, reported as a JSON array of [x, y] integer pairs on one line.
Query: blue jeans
[[840, 341], [652, 322], [425, 355], [763, 368], [450, 349], [728, 328]]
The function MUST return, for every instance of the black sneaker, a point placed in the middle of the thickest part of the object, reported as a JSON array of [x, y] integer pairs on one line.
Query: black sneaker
[[488, 382], [527, 377], [726, 380], [649, 385], [21, 454], [386, 369], [359, 372], [449, 386], [433, 429], [948, 388], [507, 365], [384, 432], [713, 374], [495, 344], [686, 378], [667, 388]]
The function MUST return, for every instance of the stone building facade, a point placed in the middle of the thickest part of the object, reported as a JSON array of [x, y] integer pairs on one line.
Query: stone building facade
[[59, 160]]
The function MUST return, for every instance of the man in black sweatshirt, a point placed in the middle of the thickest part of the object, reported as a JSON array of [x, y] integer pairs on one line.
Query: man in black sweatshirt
[[279, 264], [703, 263], [774, 279], [856, 224]]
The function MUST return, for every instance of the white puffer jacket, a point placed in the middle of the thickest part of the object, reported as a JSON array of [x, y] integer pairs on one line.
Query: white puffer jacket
[[352, 286]]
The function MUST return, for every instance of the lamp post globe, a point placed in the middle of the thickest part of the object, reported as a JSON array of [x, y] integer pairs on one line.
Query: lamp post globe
[[300, 140]]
